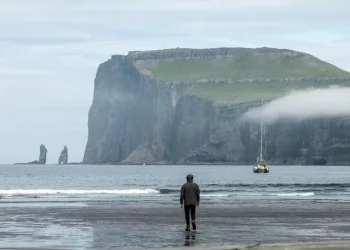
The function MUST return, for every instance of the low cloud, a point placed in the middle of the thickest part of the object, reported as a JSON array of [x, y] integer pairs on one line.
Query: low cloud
[[300, 105]]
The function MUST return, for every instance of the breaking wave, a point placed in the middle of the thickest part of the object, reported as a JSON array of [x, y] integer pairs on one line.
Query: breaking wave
[[39, 193], [232, 193], [175, 191], [273, 194], [75, 193], [304, 186], [283, 185], [296, 194]]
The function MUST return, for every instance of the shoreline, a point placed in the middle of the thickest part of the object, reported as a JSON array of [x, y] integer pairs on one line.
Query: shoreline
[[174, 164], [331, 245], [328, 245]]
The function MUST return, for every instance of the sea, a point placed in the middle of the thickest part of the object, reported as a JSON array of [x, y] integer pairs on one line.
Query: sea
[[133, 207]]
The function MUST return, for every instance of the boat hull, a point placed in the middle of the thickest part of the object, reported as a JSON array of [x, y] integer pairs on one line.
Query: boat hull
[[261, 169]]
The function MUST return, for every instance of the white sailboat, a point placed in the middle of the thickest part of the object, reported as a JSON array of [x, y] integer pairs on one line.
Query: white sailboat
[[261, 164]]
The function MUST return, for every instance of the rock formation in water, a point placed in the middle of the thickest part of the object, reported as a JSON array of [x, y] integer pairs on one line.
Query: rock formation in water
[[184, 106], [42, 156], [63, 156]]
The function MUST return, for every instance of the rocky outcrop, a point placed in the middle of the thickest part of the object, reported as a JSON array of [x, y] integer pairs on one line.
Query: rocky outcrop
[[212, 53], [42, 156], [137, 119], [141, 155], [63, 158], [314, 80]]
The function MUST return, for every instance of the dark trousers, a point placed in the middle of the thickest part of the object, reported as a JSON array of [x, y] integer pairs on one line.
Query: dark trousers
[[187, 213]]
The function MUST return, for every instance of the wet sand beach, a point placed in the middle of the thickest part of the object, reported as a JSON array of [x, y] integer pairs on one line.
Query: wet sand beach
[[116, 226], [109, 207]]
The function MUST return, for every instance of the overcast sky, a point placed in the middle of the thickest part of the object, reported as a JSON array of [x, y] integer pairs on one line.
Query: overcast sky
[[50, 50]]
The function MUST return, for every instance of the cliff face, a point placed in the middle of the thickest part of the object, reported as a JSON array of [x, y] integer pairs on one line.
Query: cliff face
[[303, 142], [118, 123], [136, 118], [129, 112]]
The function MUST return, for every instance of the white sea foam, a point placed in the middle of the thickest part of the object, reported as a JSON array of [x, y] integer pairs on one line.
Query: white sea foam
[[296, 194], [38, 192], [215, 195], [278, 194], [127, 192]]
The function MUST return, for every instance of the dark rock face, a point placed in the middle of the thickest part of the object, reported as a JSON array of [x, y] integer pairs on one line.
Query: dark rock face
[[129, 111], [42, 156], [316, 141], [135, 119], [63, 156], [120, 119]]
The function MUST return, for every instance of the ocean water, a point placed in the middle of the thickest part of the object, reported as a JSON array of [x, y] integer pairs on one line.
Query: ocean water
[[115, 207]]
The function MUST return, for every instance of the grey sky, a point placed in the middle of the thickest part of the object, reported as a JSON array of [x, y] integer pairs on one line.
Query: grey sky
[[50, 51]]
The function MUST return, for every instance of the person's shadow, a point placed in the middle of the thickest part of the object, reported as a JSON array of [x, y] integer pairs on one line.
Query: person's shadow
[[190, 238]]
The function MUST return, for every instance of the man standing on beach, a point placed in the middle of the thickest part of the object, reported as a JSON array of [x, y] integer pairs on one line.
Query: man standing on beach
[[190, 196]]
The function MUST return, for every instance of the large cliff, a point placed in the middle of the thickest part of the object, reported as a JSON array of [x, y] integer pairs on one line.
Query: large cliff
[[185, 105]]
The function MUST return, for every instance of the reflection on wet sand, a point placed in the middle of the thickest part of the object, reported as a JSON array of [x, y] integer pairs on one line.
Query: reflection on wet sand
[[190, 238]]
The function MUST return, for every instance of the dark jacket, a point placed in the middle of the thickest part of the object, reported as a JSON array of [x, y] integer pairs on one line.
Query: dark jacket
[[190, 193]]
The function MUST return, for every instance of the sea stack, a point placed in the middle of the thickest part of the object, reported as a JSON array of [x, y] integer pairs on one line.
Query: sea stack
[[42, 156], [63, 156]]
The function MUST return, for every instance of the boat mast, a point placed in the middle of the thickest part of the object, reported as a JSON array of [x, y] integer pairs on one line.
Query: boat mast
[[261, 130]]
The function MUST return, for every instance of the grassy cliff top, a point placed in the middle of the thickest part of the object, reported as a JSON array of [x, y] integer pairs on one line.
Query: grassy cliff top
[[246, 92], [182, 64], [232, 63]]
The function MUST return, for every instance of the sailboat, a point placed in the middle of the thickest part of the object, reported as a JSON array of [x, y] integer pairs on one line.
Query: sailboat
[[261, 164]]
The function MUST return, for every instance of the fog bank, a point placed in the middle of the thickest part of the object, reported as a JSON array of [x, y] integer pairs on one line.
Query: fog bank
[[300, 105]]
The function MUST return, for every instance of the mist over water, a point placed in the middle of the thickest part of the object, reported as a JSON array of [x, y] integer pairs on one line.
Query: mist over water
[[300, 105]]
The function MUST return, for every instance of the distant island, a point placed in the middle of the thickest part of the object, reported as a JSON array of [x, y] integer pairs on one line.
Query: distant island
[[183, 106]]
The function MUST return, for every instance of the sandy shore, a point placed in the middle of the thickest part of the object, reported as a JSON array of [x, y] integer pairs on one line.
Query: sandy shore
[[340, 245], [116, 226]]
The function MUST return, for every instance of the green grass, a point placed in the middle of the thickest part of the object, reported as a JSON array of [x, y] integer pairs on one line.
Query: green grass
[[244, 92], [246, 65], [162, 50]]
